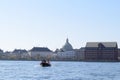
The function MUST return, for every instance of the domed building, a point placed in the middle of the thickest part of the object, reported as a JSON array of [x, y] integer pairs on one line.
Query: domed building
[[67, 46], [66, 52]]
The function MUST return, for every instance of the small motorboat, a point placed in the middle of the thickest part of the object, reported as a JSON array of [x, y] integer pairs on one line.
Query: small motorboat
[[45, 63]]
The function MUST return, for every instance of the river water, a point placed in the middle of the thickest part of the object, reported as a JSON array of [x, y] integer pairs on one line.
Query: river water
[[31, 70]]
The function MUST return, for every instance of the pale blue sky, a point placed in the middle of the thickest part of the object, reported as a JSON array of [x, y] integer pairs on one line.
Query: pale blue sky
[[47, 23]]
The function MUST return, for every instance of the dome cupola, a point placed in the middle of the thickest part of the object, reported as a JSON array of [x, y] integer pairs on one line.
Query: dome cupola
[[67, 46]]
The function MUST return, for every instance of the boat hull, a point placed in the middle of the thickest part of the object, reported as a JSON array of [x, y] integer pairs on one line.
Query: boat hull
[[45, 64]]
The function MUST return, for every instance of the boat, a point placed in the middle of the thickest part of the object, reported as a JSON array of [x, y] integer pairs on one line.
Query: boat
[[45, 63]]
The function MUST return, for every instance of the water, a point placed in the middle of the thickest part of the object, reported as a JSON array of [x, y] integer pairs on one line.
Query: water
[[31, 70]]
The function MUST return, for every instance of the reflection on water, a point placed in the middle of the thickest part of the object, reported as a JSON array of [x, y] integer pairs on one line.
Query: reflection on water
[[31, 70]]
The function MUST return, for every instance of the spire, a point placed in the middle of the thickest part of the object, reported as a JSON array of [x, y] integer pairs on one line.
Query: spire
[[67, 41]]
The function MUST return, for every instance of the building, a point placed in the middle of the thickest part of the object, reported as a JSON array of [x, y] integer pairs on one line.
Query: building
[[1, 51], [67, 46], [6, 55], [20, 54], [119, 54], [101, 51], [19, 51], [66, 52], [39, 53], [80, 54], [67, 55]]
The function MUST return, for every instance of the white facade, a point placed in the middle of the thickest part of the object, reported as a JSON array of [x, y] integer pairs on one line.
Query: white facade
[[43, 54], [25, 56], [66, 55], [66, 52]]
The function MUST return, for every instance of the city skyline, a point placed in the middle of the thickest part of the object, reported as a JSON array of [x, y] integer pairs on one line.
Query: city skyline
[[28, 23], [63, 46]]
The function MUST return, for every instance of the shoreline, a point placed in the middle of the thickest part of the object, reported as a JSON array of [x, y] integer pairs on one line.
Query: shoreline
[[62, 61]]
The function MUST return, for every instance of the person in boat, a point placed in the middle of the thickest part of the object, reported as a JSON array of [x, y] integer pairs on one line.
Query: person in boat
[[45, 63]]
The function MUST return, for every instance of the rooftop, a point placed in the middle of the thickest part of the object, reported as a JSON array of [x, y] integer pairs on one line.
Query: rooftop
[[40, 49], [105, 44], [19, 51]]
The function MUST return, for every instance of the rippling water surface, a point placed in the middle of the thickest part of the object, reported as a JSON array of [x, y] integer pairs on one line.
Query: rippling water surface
[[31, 70]]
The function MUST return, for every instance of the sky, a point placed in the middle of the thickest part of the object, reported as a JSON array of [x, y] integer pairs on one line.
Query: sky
[[25, 24]]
